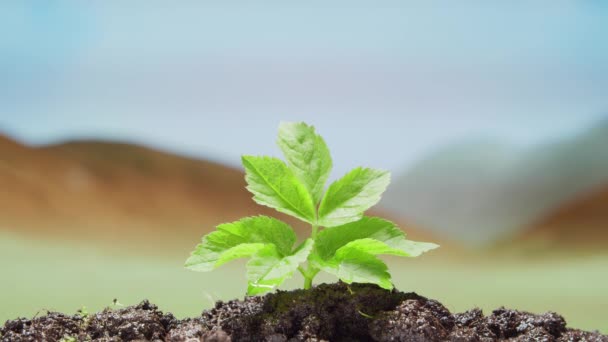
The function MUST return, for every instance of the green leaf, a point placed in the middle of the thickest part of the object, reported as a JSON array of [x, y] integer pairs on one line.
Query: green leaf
[[386, 232], [370, 246], [349, 251], [274, 185], [307, 156], [349, 197], [354, 265], [415, 248], [350, 247], [241, 239], [268, 268]]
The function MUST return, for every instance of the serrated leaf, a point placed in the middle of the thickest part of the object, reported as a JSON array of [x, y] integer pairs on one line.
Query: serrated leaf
[[370, 246], [274, 185], [348, 249], [354, 265], [338, 250], [349, 197], [330, 240], [415, 248], [307, 156], [241, 239], [205, 259], [268, 268]]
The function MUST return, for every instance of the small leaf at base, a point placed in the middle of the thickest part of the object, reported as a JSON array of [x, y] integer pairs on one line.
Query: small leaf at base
[[268, 269]]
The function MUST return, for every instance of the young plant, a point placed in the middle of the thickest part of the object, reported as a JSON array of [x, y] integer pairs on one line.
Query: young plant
[[349, 242]]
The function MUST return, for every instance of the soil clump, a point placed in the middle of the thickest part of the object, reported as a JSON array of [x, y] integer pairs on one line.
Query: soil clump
[[328, 312]]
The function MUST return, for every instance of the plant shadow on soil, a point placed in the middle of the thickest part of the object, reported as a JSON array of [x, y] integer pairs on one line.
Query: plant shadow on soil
[[328, 312]]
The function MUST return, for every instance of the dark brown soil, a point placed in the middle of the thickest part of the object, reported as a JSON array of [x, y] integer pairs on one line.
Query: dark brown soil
[[335, 312]]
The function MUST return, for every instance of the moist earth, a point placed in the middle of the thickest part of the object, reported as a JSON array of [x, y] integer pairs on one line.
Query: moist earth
[[328, 312]]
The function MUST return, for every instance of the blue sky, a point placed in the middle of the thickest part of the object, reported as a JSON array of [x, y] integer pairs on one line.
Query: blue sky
[[385, 83]]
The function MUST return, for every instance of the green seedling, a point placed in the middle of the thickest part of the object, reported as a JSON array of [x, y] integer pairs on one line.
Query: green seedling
[[83, 312], [68, 338], [343, 241]]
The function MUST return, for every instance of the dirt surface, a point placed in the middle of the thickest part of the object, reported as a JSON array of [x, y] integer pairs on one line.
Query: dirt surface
[[334, 312]]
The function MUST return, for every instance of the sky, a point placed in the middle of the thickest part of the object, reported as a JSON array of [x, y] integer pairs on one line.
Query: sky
[[385, 83]]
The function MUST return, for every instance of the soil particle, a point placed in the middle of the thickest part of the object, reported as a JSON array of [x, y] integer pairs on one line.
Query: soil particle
[[142, 322], [510, 323], [189, 330], [413, 320], [51, 327], [336, 312], [471, 326]]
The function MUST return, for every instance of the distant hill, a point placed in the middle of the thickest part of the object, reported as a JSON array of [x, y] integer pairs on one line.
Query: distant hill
[[581, 222], [120, 193], [115, 192], [484, 191]]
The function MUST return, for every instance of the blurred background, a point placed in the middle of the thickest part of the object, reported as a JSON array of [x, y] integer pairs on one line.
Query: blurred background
[[122, 126]]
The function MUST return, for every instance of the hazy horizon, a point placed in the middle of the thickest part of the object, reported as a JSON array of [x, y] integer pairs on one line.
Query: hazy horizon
[[234, 160]]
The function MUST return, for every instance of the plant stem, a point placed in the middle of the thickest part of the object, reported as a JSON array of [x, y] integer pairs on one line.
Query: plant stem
[[307, 277], [307, 283], [310, 272], [303, 271]]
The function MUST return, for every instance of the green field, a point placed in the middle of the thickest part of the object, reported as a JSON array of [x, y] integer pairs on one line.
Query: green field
[[37, 277]]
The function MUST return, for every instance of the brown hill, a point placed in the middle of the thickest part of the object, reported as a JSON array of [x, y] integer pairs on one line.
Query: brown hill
[[582, 222], [123, 194]]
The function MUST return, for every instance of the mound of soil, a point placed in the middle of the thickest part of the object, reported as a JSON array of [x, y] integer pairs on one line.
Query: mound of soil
[[335, 312]]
